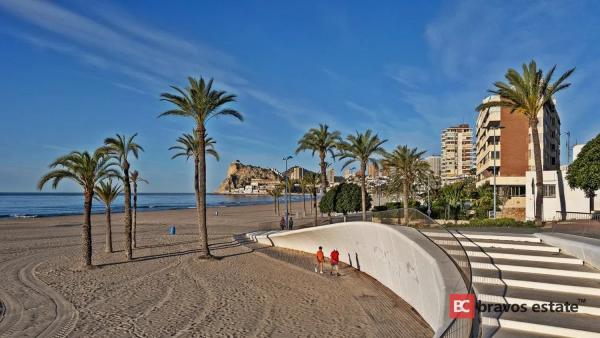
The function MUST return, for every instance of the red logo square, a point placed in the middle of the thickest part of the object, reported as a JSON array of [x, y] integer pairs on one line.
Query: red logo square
[[462, 305]]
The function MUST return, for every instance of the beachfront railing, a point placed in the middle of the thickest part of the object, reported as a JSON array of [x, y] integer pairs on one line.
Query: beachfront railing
[[460, 328]]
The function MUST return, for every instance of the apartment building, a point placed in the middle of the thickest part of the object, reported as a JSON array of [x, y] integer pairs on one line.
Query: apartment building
[[457, 153], [435, 163], [504, 143]]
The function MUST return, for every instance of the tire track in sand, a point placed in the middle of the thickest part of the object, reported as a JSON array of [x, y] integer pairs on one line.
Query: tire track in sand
[[26, 297]]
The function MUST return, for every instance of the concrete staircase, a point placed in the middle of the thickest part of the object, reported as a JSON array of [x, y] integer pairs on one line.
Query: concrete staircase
[[520, 269]]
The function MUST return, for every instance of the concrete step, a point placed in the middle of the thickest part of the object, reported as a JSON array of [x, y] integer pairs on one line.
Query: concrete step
[[484, 236], [574, 289], [556, 324], [536, 270], [537, 294], [539, 257], [551, 279], [467, 244], [533, 264]]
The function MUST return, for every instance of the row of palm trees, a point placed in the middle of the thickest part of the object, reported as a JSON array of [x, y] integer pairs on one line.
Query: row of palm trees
[[527, 94], [94, 174]]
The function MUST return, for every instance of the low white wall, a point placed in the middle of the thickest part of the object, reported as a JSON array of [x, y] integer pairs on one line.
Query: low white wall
[[399, 257], [581, 247]]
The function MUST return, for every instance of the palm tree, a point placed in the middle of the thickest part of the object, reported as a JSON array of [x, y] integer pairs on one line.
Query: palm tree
[[276, 194], [529, 94], [201, 102], [135, 177], [106, 192], [119, 148], [360, 148], [303, 187], [86, 170], [409, 165], [323, 141], [312, 182]]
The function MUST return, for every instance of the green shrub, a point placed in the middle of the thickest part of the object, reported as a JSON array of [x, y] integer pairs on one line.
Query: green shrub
[[380, 208], [343, 198], [499, 222]]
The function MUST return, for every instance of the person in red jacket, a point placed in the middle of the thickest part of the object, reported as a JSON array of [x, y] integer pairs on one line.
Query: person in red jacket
[[334, 259]]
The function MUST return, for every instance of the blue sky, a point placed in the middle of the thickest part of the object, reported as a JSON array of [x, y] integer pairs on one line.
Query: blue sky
[[75, 72]]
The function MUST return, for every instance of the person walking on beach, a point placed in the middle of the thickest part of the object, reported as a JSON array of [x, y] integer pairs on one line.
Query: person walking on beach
[[320, 260], [291, 221], [334, 259], [282, 223]]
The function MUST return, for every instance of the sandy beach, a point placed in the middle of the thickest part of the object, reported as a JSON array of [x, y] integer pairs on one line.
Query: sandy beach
[[165, 291]]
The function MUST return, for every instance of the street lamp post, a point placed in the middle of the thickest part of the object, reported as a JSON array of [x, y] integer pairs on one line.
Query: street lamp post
[[287, 215]]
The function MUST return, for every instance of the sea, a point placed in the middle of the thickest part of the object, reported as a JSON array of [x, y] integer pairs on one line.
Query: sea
[[30, 205]]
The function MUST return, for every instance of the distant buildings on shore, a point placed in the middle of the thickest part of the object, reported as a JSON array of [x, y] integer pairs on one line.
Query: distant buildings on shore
[[457, 153], [435, 164]]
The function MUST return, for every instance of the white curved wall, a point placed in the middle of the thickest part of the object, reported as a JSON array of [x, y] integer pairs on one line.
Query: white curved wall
[[399, 257]]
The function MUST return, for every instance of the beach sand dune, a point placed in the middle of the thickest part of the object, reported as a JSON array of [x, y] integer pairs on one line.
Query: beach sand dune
[[166, 291]]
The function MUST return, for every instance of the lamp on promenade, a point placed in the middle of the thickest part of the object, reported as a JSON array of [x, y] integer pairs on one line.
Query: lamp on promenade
[[494, 128], [287, 224]]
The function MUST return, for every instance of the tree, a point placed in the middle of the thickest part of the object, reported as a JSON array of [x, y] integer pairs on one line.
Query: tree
[[200, 102], [86, 170], [408, 165], [455, 195], [303, 188], [584, 172], [529, 94], [135, 177], [119, 148], [312, 182], [323, 141], [360, 148], [276, 194], [343, 198], [107, 192]]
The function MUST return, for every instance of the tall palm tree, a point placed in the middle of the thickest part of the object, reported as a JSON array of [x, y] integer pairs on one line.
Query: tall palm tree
[[312, 182], [323, 141], [86, 170], [529, 94], [135, 178], [276, 194], [408, 165], [303, 187], [119, 148], [360, 148], [201, 102], [107, 192]]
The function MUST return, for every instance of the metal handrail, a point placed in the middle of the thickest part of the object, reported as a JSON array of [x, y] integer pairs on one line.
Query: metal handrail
[[455, 328]]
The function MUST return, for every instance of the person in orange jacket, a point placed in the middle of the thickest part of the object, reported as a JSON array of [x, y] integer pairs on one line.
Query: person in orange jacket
[[334, 259], [320, 260]]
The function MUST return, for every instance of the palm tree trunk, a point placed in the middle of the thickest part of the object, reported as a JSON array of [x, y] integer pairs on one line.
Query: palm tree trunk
[[314, 199], [405, 202], [363, 191], [539, 174], [201, 194], [127, 206], [134, 214], [303, 202], [86, 233], [324, 182], [275, 204], [108, 240]]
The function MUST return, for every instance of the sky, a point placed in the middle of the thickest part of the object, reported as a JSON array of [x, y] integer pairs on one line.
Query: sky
[[75, 72]]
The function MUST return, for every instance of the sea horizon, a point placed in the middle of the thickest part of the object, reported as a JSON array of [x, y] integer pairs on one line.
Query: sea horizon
[[48, 204]]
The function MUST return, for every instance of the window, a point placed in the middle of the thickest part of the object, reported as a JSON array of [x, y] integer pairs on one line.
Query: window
[[515, 190], [553, 161], [549, 191]]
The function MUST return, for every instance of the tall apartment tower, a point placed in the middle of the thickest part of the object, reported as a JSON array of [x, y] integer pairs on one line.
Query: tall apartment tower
[[514, 150], [435, 164], [457, 153]]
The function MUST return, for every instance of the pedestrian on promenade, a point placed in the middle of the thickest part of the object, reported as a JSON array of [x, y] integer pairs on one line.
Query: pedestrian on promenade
[[334, 259], [320, 260], [291, 221], [282, 223]]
